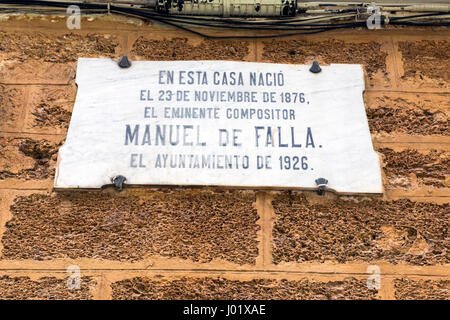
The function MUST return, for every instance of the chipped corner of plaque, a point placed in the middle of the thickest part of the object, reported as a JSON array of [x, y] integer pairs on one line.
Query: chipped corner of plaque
[[57, 170], [56, 183]]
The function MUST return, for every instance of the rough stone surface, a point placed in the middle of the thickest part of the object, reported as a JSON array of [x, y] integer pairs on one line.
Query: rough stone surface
[[365, 230], [45, 288], [197, 225], [430, 168], [59, 48], [418, 116], [426, 58], [26, 158], [11, 100], [369, 54], [406, 289], [35, 71], [256, 289], [50, 107], [182, 49], [51, 116], [407, 105]]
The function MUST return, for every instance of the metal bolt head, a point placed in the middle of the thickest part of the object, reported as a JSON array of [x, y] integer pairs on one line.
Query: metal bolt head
[[322, 184], [118, 181], [124, 62], [315, 68], [321, 181]]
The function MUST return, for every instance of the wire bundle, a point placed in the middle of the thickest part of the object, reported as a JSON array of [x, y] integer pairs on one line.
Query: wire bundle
[[285, 26]]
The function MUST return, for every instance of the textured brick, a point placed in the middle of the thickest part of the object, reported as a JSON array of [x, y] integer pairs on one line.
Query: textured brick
[[364, 230], [11, 104], [37, 57], [25, 158], [195, 225], [59, 48], [50, 108], [406, 289], [430, 168], [45, 288], [256, 289], [413, 115], [426, 59], [181, 49], [369, 54]]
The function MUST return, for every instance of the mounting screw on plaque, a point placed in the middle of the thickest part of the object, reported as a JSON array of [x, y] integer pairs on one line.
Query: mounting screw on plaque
[[315, 68], [118, 182], [322, 184], [124, 62]]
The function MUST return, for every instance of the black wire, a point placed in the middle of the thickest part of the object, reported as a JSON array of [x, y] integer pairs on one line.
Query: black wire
[[278, 25], [225, 37], [184, 19], [57, 4], [423, 24], [257, 24], [420, 16], [207, 36], [283, 27], [170, 21], [277, 20]]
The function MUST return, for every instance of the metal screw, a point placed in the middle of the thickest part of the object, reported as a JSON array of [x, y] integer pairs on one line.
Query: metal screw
[[118, 181], [124, 62], [315, 68], [322, 184]]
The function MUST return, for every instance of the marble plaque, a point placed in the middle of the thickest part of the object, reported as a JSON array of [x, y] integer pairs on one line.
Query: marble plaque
[[219, 123]]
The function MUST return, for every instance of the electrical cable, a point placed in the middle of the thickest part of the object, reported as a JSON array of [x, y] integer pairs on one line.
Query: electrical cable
[[233, 25], [420, 16], [300, 26], [225, 37]]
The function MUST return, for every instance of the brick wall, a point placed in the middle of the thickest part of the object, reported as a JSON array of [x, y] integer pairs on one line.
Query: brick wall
[[147, 243]]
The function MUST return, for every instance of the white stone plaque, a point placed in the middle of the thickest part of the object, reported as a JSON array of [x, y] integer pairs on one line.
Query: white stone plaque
[[219, 123]]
